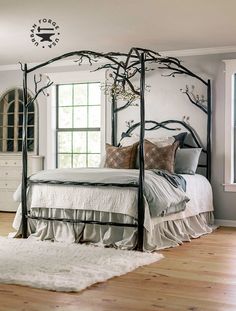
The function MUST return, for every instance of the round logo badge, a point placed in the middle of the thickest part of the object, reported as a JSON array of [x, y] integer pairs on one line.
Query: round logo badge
[[45, 33]]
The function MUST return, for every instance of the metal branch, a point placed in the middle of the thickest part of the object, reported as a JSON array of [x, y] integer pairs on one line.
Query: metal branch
[[41, 90], [129, 103], [106, 66], [176, 70], [37, 82], [194, 101], [172, 74], [88, 57], [21, 66], [168, 61]]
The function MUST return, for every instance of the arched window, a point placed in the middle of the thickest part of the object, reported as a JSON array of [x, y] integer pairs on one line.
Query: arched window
[[11, 122]]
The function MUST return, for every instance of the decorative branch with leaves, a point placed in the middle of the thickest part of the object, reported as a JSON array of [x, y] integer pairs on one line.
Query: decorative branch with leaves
[[40, 90], [175, 65], [196, 100]]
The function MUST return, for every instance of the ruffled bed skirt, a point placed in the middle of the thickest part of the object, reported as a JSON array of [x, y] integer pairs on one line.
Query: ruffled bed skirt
[[164, 234]]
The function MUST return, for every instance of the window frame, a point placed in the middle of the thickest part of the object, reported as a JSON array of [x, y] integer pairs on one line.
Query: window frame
[[17, 101], [230, 72], [73, 77], [75, 129]]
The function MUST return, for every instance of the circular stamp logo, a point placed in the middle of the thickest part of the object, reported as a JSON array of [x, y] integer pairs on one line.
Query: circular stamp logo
[[45, 33]]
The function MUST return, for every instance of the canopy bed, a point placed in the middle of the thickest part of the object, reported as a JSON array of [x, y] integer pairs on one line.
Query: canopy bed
[[142, 194]]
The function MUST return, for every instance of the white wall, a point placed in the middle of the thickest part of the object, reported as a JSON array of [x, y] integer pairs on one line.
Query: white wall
[[165, 101]]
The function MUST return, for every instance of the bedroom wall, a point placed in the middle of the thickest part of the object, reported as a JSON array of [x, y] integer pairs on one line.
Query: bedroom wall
[[12, 78], [165, 101]]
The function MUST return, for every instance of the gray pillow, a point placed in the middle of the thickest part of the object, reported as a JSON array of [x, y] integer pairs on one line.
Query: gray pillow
[[186, 160]]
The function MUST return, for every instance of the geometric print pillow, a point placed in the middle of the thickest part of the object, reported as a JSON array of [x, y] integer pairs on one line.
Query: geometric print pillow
[[121, 157], [162, 158]]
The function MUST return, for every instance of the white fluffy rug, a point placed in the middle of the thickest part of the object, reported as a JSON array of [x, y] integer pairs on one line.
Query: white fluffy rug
[[64, 267]]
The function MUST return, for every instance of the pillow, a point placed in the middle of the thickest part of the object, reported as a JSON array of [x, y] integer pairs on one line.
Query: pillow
[[181, 138], [186, 160], [159, 141], [162, 158], [121, 157]]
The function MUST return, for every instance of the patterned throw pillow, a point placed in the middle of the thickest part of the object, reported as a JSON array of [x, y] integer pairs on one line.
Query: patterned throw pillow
[[160, 157], [121, 157]]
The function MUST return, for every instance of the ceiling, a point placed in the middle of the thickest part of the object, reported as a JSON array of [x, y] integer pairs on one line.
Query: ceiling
[[112, 25]]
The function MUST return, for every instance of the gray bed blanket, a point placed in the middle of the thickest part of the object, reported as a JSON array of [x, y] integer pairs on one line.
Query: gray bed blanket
[[163, 192]]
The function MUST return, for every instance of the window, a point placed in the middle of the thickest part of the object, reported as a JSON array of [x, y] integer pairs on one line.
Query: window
[[230, 125], [78, 125], [11, 122]]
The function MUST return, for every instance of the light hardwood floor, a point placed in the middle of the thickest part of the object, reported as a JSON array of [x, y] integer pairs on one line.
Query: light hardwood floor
[[197, 276]]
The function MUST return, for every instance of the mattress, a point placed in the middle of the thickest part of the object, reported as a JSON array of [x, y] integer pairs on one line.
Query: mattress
[[117, 200], [120, 200], [199, 191]]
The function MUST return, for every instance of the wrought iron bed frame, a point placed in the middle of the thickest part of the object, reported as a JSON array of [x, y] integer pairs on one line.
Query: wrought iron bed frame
[[124, 66]]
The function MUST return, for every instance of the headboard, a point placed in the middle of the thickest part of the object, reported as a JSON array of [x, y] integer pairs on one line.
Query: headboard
[[192, 140]]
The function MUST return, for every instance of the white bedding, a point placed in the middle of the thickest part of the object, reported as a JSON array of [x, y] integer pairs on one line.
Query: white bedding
[[200, 194], [117, 200]]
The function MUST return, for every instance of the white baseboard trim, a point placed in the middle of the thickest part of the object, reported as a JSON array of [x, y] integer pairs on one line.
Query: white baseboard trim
[[225, 222]]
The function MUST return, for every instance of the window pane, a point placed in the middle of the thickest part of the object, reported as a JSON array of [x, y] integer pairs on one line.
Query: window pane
[[64, 160], [79, 160], [10, 132], [21, 107], [94, 116], [30, 119], [80, 117], [94, 94], [10, 119], [11, 95], [31, 108], [19, 144], [20, 119], [30, 145], [65, 95], [94, 160], [79, 142], [10, 145], [64, 141], [80, 94], [65, 117], [94, 144], [20, 130], [30, 132]]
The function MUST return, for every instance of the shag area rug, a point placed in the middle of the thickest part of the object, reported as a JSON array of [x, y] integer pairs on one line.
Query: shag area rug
[[64, 267]]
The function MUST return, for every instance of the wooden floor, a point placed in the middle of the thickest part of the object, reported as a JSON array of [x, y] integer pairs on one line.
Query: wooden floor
[[197, 276]]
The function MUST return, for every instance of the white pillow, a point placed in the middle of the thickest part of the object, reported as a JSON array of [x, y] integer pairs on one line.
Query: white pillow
[[159, 141]]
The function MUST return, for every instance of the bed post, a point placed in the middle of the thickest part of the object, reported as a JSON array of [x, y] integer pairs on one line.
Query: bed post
[[141, 156], [209, 130], [114, 121], [24, 156]]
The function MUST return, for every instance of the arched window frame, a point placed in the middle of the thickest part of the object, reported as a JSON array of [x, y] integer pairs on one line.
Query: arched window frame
[[4, 117]]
